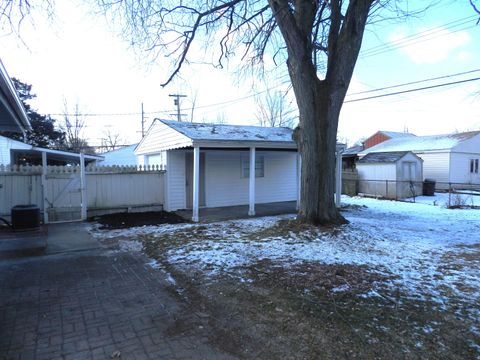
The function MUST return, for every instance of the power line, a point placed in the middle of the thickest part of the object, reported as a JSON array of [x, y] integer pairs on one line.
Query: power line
[[413, 90], [414, 82], [419, 37]]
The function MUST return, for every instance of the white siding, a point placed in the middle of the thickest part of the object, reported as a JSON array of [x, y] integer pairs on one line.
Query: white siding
[[460, 169], [6, 145], [436, 166], [225, 186], [373, 179], [375, 171], [161, 137], [175, 188]]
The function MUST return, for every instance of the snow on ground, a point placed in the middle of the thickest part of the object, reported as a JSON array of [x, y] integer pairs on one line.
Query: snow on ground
[[432, 252], [469, 198]]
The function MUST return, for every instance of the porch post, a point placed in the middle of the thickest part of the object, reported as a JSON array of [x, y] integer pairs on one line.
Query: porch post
[[251, 184], [338, 177], [196, 182], [44, 187], [83, 187], [299, 179]]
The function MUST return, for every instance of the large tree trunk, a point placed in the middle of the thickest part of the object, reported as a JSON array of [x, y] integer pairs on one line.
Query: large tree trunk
[[320, 101], [316, 138]]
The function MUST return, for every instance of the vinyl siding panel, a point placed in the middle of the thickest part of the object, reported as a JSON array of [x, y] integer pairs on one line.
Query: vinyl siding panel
[[175, 189], [436, 166], [161, 137], [225, 186], [460, 169]]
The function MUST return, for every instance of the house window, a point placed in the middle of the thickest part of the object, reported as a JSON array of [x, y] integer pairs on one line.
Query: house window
[[259, 166], [474, 166]]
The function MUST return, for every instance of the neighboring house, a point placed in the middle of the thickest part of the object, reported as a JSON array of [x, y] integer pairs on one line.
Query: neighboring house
[[381, 136], [12, 113], [209, 165], [13, 152], [393, 175], [451, 158], [351, 155], [123, 156]]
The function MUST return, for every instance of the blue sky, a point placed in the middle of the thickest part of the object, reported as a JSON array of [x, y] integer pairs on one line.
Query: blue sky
[[81, 58]]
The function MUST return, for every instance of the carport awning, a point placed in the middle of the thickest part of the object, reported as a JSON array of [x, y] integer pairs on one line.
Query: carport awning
[[57, 155]]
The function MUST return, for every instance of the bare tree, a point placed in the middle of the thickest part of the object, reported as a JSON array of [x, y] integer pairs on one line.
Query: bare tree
[[275, 110], [193, 101], [74, 126], [221, 118], [309, 35], [111, 140], [318, 40]]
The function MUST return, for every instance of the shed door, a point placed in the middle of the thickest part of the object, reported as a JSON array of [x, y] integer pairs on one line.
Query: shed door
[[189, 179], [409, 170]]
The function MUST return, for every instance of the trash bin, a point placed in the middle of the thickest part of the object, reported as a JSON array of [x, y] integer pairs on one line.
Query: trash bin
[[25, 217], [429, 187]]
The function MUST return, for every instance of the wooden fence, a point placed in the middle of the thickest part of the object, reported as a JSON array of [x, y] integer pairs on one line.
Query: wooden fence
[[60, 189]]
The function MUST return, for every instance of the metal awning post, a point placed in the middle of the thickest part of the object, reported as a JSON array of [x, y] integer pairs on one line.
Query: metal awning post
[[338, 177], [251, 184], [196, 183], [44, 187], [83, 188]]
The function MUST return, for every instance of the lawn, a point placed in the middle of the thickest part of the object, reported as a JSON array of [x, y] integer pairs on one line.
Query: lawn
[[401, 280]]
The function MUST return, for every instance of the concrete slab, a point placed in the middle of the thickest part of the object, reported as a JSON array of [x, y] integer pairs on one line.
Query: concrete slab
[[73, 236], [241, 211], [51, 239], [25, 243]]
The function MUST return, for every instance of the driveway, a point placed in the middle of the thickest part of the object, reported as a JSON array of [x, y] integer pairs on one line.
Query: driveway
[[86, 302]]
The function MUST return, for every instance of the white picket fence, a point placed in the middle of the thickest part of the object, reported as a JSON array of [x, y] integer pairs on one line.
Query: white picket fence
[[107, 189]]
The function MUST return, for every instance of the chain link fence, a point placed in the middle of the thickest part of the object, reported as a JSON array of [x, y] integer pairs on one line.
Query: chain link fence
[[456, 195]]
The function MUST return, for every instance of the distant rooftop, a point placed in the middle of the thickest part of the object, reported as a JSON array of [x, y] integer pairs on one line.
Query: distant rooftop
[[423, 143], [382, 157], [222, 132], [394, 134]]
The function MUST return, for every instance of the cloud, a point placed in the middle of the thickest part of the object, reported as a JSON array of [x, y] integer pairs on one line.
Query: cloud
[[432, 45]]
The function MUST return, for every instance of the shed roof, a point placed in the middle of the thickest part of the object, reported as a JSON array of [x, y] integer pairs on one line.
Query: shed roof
[[383, 157], [222, 132], [423, 143]]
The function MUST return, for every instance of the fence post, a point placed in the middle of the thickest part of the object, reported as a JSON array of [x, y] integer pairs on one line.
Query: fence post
[[83, 187], [449, 194]]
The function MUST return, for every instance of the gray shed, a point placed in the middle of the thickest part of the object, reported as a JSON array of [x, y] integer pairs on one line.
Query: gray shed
[[392, 175]]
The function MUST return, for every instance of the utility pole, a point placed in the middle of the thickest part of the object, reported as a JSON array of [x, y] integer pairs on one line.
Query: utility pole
[[176, 102], [143, 122]]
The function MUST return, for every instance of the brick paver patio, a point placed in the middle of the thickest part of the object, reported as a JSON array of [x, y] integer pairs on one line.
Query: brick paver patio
[[95, 305]]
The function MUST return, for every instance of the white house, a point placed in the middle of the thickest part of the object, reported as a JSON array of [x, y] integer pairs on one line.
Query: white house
[[451, 158], [122, 156], [393, 175], [12, 114], [209, 165]]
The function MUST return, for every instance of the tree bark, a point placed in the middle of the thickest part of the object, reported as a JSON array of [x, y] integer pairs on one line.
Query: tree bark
[[320, 101], [316, 140]]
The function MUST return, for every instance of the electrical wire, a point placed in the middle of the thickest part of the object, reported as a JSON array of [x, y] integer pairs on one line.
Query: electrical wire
[[413, 90]]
